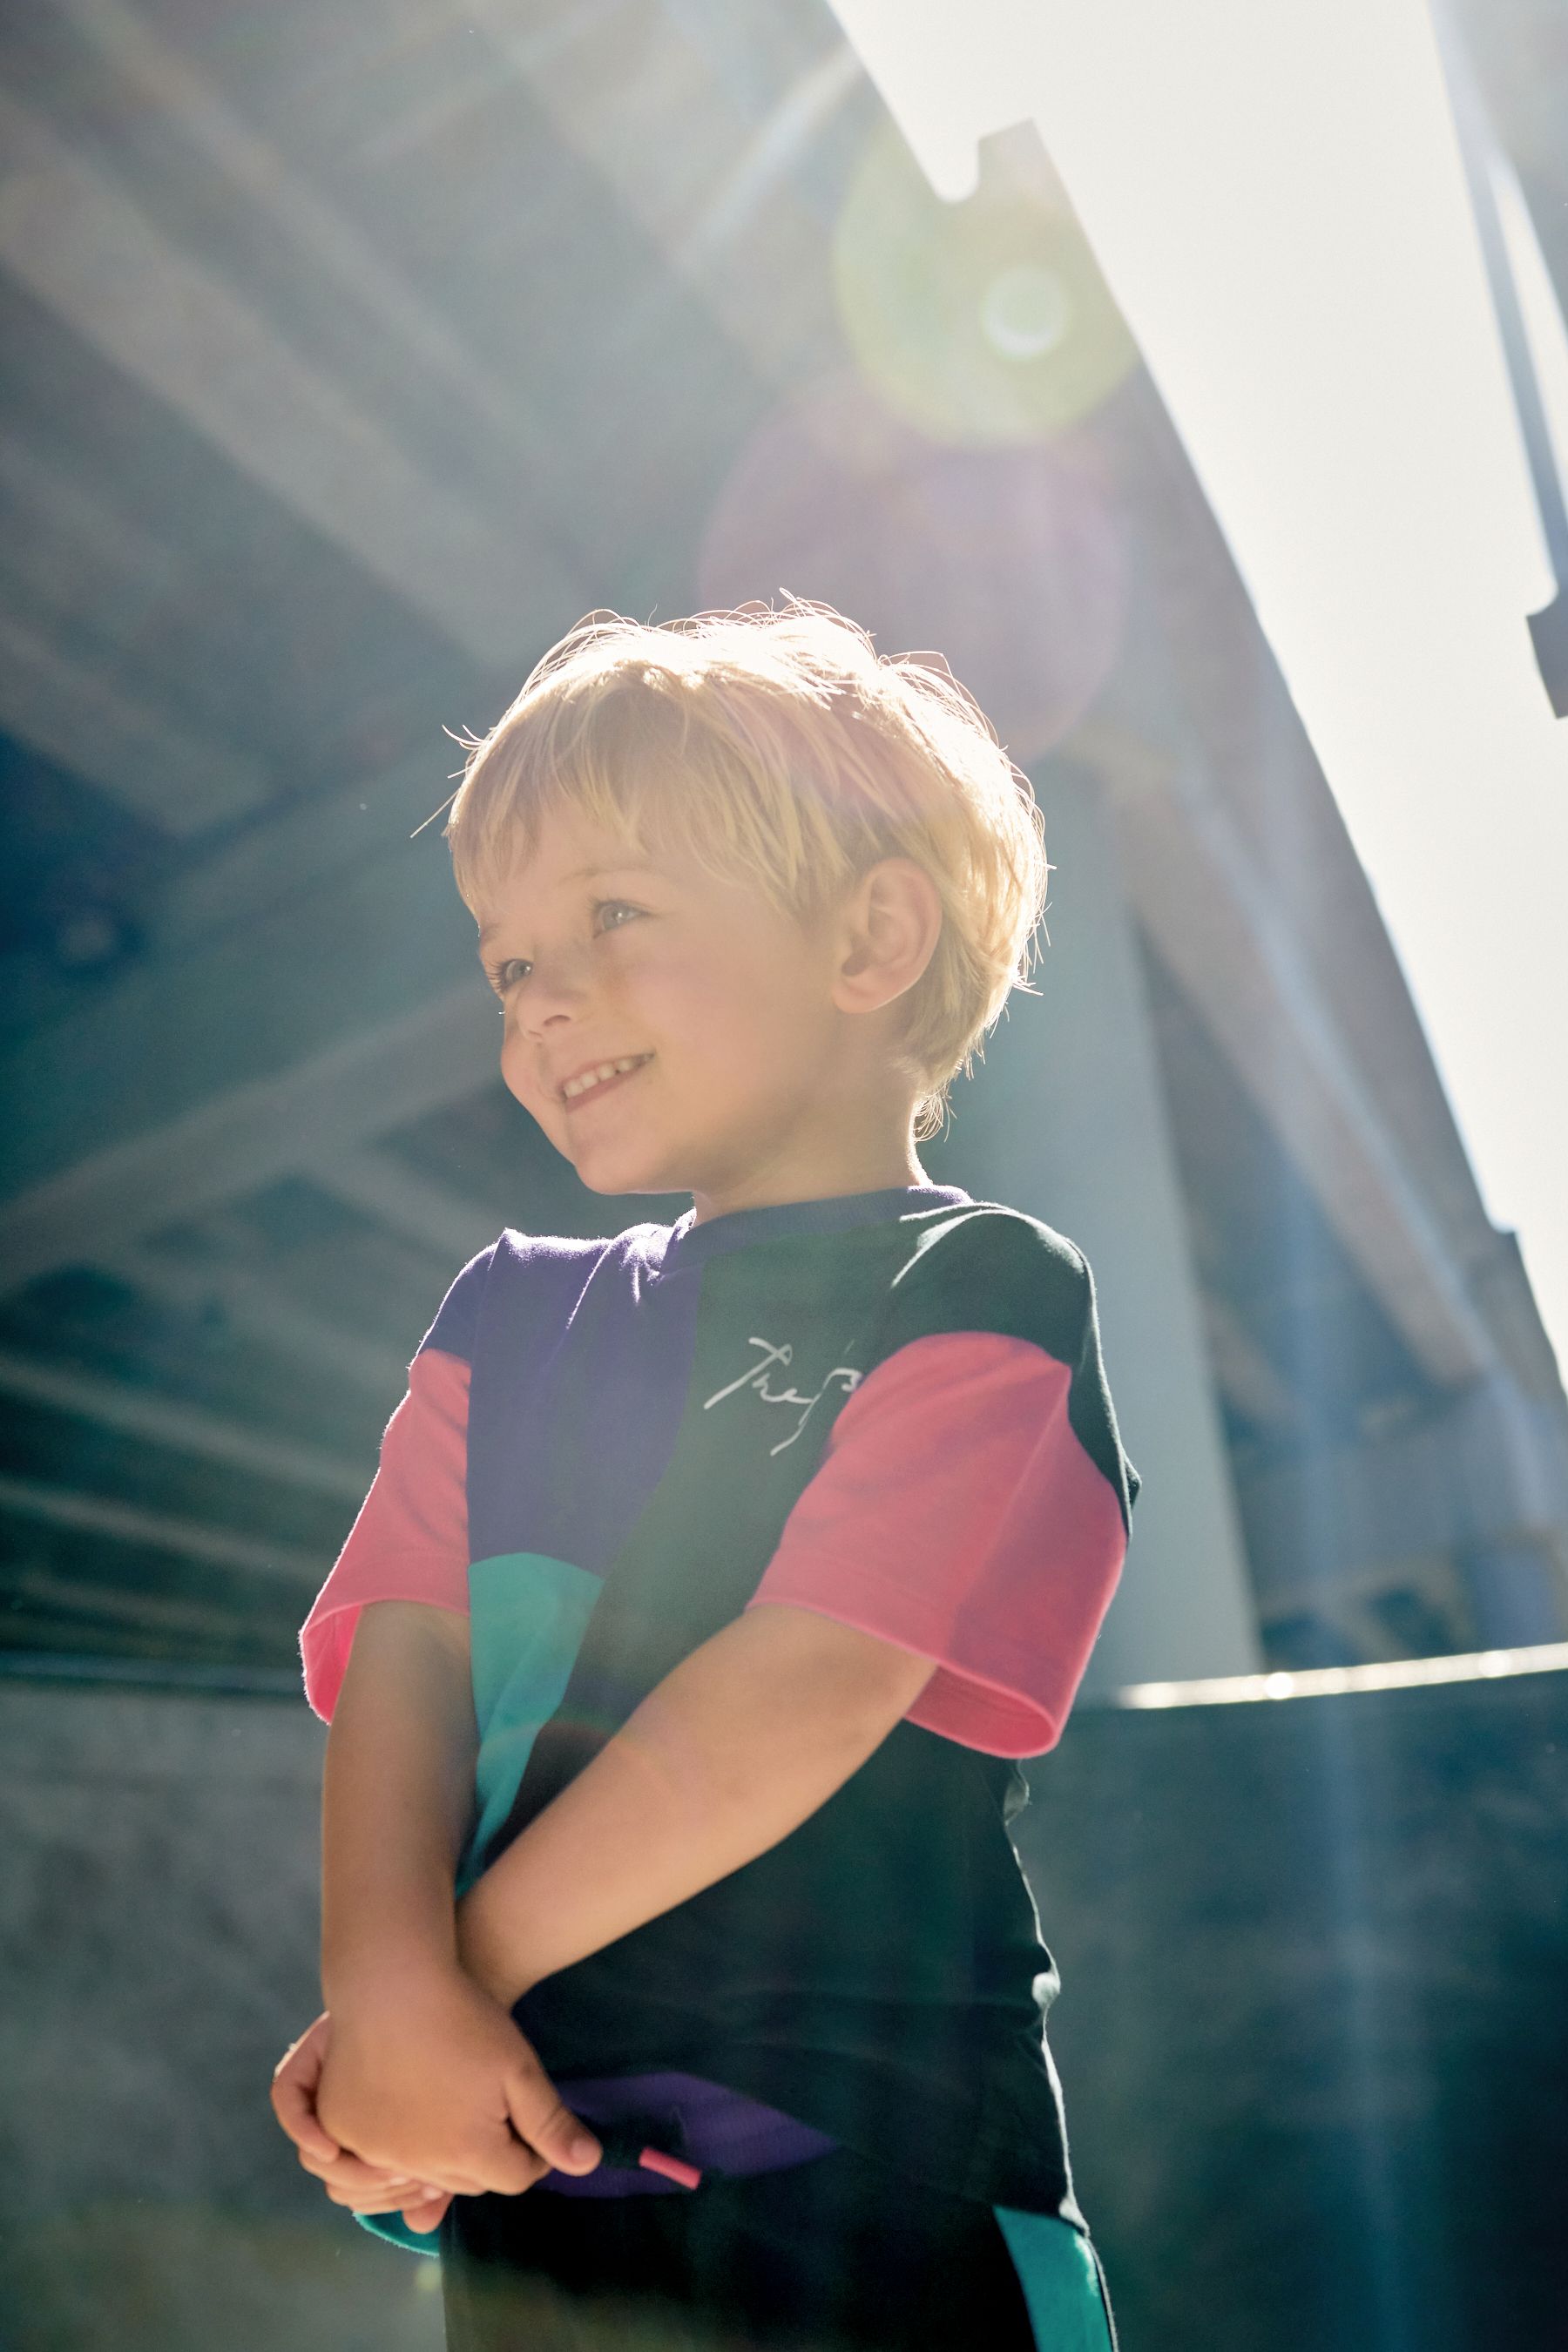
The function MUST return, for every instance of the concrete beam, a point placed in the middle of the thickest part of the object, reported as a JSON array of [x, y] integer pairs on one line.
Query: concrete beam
[[67, 556], [663, 133], [162, 85], [1199, 678], [82, 247], [245, 1137], [1218, 923], [335, 1017], [405, 1202], [183, 1428], [70, 1597], [96, 1515], [1492, 1467], [171, 776], [318, 844], [1246, 1379], [265, 1313], [297, 851]]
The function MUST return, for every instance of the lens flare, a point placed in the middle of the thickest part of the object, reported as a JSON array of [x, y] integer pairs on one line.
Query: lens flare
[[986, 323], [1026, 312], [1011, 562]]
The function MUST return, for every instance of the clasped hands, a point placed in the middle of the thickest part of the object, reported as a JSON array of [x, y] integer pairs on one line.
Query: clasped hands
[[419, 2087]]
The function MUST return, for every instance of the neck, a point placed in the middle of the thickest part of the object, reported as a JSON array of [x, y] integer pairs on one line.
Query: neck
[[858, 1165]]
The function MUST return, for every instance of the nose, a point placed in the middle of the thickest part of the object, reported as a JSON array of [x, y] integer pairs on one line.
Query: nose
[[553, 993]]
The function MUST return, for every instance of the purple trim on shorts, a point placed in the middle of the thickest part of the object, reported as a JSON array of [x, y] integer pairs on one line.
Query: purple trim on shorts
[[713, 2125]]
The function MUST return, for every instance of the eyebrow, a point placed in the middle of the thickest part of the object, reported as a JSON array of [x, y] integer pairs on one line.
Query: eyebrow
[[579, 874]]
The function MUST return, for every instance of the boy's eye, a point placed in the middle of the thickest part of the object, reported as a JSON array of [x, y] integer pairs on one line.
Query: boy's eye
[[610, 914]]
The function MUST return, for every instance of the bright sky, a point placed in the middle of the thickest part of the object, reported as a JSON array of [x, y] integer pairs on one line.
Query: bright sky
[[1276, 196]]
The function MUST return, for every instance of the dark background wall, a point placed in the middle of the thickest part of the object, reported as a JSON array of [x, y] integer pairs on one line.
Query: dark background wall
[[1313, 2030]]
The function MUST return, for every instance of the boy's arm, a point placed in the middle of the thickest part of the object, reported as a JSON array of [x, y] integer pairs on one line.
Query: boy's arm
[[424, 2074], [398, 1793], [738, 1745]]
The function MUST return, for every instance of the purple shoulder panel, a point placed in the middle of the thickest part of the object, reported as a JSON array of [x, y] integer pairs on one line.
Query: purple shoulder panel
[[581, 1353], [457, 1316]]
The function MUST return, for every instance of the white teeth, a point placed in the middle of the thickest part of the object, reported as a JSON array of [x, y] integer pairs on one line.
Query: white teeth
[[586, 1080]]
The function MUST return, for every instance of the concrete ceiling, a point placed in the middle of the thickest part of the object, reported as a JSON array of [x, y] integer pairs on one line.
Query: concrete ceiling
[[350, 359]]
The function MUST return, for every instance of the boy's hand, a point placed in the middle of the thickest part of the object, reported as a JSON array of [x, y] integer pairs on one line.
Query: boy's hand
[[348, 2181], [426, 2079]]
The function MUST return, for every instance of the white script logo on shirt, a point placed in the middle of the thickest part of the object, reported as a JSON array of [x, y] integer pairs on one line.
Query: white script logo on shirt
[[757, 1378]]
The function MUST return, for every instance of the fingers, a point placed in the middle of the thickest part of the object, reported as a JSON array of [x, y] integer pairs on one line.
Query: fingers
[[421, 2203], [387, 2196], [382, 2199], [368, 2188], [365, 2188], [353, 2175], [295, 2079], [360, 2185]]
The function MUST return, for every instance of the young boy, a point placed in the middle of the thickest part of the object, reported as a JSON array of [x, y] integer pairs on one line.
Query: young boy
[[715, 1576]]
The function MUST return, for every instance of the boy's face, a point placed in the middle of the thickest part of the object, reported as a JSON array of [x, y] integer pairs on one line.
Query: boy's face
[[669, 1032]]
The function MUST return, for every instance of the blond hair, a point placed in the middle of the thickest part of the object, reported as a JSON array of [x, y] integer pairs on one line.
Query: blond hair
[[779, 748]]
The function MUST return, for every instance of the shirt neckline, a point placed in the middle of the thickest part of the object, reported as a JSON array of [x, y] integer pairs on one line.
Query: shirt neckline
[[691, 1244]]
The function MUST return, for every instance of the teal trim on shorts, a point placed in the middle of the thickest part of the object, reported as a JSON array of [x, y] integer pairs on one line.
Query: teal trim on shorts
[[1059, 2274], [396, 2231]]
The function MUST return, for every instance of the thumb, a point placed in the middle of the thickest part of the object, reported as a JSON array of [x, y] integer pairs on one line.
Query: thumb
[[540, 2118], [428, 2212]]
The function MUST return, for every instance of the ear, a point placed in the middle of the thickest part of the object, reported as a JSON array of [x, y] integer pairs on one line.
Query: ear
[[888, 930]]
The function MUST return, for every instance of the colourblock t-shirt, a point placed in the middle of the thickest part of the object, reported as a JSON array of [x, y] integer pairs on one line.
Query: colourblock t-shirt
[[890, 1409]]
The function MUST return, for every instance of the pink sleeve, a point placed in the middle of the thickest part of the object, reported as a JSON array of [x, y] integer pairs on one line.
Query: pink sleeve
[[410, 1541], [957, 1516]]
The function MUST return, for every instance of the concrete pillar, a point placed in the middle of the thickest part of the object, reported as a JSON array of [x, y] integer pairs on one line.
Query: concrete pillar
[[1067, 1120], [1516, 1593]]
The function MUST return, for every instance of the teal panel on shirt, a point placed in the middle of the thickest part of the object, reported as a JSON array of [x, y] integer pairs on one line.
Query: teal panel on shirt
[[527, 1614], [1060, 2279], [527, 1617]]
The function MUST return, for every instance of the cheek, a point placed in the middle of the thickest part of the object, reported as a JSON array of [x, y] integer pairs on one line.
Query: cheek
[[758, 1030], [671, 1001], [518, 1077]]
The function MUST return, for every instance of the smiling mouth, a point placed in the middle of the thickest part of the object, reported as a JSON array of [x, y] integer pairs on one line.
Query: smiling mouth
[[597, 1081]]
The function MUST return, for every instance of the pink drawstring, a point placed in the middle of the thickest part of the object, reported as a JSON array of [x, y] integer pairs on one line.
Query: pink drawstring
[[653, 2159]]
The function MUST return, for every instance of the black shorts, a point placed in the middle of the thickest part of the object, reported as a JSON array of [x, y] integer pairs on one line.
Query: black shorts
[[836, 2254]]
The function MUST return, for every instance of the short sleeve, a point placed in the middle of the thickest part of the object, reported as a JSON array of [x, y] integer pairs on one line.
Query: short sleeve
[[973, 1503], [410, 1541]]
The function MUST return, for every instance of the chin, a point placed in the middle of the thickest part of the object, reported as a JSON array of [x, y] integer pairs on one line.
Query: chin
[[611, 1179]]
